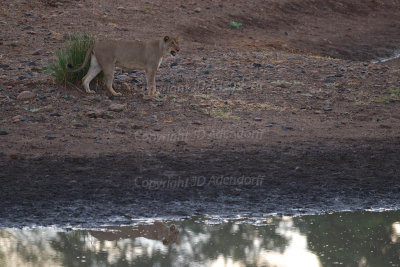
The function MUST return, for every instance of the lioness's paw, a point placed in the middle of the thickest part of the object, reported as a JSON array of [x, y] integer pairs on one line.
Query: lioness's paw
[[90, 91], [117, 94]]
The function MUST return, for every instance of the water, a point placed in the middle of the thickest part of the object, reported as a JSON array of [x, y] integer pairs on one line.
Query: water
[[342, 239], [395, 55]]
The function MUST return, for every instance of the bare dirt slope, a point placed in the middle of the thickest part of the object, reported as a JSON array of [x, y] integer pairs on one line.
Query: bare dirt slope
[[292, 96]]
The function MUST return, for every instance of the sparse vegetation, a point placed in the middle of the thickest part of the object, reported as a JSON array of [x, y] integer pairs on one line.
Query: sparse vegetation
[[74, 54], [236, 25]]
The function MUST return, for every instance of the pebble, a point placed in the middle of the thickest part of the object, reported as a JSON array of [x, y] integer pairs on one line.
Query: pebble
[[181, 143], [49, 137], [25, 95], [174, 64], [258, 119], [286, 128], [38, 52], [3, 132], [197, 10], [330, 79], [119, 131], [16, 118], [117, 107], [95, 114], [327, 108], [257, 65]]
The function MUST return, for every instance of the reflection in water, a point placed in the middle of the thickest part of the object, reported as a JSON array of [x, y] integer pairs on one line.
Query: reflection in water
[[156, 231], [348, 239], [396, 232]]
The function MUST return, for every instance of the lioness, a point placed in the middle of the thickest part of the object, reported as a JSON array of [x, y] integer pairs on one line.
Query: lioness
[[145, 56], [157, 231]]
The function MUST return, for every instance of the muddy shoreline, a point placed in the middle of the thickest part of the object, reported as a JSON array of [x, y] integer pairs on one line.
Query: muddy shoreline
[[296, 178]]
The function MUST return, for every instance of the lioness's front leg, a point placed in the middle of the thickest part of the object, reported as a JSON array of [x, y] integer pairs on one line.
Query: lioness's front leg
[[151, 82], [109, 78]]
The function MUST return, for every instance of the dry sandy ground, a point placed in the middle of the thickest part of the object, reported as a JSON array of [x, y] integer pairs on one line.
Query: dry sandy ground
[[291, 97]]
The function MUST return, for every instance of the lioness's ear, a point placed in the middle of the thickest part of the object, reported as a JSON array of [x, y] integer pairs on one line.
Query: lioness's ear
[[172, 227], [166, 38]]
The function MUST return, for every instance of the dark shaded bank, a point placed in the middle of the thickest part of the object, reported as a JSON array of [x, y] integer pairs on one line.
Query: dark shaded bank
[[285, 179]]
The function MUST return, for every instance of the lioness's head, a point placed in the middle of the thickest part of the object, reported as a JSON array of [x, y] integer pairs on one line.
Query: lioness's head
[[172, 237], [171, 44]]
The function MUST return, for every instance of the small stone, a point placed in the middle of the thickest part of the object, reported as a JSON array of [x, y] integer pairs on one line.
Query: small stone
[[197, 10], [327, 108], [119, 131], [126, 86], [286, 128], [383, 126], [136, 127], [38, 52], [49, 137], [270, 66], [186, 61], [197, 123], [3, 132], [55, 114], [95, 113], [258, 119], [298, 169], [181, 143], [174, 64], [16, 118], [330, 79], [25, 95], [117, 107], [257, 65], [122, 77], [4, 66]]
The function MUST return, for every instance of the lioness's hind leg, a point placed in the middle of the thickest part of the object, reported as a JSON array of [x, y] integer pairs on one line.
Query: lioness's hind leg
[[94, 69]]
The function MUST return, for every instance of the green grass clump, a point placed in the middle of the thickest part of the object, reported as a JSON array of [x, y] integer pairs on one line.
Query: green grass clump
[[236, 25], [74, 54]]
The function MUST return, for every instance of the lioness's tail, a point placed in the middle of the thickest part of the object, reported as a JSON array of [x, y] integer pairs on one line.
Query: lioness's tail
[[70, 67]]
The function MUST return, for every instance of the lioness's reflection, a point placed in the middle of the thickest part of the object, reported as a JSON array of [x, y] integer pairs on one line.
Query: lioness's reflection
[[157, 231]]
